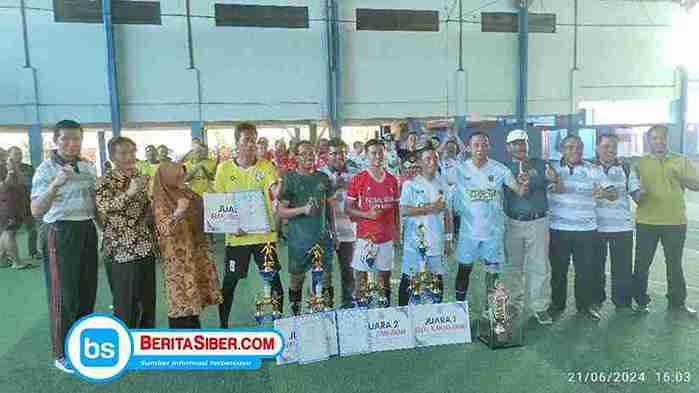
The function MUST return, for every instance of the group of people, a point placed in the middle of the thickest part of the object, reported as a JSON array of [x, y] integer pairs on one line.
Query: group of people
[[431, 200]]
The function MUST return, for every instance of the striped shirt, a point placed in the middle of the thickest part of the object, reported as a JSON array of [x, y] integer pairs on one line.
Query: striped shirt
[[75, 200], [615, 216], [574, 209]]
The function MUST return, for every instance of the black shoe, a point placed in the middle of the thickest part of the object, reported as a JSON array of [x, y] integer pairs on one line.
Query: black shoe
[[642, 309], [590, 313], [684, 311]]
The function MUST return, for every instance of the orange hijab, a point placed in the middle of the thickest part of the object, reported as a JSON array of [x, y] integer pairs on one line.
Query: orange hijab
[[167, 191]]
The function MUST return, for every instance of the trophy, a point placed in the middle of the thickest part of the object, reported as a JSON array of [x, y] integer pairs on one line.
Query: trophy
[[424, 285], [316, 302], [267, 305], [500, 325], [371, 294]]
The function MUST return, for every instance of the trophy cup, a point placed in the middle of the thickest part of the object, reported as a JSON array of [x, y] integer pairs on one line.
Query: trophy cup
[[498, 326], [267, 305], [316, 302], [424, 285], [370, 294]]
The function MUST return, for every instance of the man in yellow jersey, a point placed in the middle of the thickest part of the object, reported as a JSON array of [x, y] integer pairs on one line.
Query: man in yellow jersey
[[246, 173], [149, 166], [661, 216], [201, 170]]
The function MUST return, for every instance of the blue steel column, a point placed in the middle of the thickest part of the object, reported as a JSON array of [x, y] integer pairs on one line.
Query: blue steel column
[[198, 130], [523, 18], [113, 81], [334, 78], [36, 144]]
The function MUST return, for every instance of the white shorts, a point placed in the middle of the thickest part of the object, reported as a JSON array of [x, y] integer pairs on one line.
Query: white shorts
[[383, 260]]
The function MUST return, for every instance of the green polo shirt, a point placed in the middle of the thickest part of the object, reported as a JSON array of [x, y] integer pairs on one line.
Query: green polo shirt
[[663, 200]]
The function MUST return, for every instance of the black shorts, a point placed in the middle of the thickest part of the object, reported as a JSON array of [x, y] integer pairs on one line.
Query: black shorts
[[237, 259]]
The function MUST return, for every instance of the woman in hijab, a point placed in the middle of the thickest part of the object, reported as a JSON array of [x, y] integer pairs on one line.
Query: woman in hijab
[[190, 276], [14, 210]]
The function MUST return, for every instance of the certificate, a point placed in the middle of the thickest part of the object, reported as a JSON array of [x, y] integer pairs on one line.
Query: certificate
[[390, 329], [312, 338], [440, 324], [236, 211], [286, 328], [353, 332]]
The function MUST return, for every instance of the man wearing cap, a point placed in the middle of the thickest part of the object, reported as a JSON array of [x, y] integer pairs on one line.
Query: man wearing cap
[[526, 234]]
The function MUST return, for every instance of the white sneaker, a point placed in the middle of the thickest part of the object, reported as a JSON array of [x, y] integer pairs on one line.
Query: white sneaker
[[62, 365]]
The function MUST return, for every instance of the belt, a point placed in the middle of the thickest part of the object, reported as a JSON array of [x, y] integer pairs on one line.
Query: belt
[[528, 216]]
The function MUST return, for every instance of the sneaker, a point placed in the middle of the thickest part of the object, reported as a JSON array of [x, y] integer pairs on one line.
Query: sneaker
[[543, 318], [642, 309], [62, 365]]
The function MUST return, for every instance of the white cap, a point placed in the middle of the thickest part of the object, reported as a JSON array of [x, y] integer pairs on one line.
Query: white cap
[[516, 135]]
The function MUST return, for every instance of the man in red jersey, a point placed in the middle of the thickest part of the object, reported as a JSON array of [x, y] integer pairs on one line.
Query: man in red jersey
[[372, 201]]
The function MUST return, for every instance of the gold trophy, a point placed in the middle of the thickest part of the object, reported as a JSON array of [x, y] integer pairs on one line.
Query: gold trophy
[[267, 305], [371, 294], [424, 285], [316, 302]]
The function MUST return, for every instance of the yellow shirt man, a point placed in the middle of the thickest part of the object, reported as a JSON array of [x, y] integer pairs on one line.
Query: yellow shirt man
[[145, 168], [203, 179], [261, 176], [662, 202]]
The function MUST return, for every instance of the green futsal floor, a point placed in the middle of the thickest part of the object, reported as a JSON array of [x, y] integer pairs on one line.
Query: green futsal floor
[[650, 344]]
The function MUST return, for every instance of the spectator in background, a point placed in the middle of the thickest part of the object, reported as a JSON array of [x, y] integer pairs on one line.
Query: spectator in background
[[282, 159], [201, 171], [410, 146], [357, 156], [63, 193], [14, 205], [128, 239], [661, 217], [322, 152], [164, 153], [263, 152], [149, 166], [26, 172]]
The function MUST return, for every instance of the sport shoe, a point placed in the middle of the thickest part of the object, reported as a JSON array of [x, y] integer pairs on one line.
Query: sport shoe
[[62, 365], [543, 318]]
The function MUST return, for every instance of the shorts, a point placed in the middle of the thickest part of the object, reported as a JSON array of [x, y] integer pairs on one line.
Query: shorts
[[491, 251], [384, 257], [237, 259], [302, 264], [435, 263]]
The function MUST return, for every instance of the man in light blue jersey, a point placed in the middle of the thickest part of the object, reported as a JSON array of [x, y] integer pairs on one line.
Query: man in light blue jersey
[[427, 221], [478, 199]]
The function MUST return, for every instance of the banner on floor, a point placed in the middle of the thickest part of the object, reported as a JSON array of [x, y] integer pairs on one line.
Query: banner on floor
[[316, 337]]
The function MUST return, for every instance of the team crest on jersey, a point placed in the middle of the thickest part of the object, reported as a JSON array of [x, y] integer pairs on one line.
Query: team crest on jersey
[[491, 178], [258, 176], [322, 187]]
